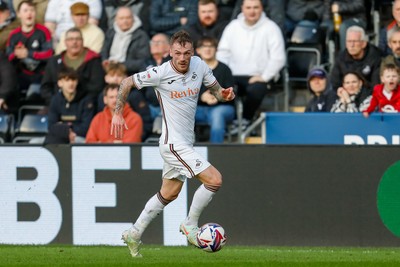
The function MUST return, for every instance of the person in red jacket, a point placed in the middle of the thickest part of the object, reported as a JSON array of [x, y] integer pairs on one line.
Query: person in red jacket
[[386, 96], [100, 127]]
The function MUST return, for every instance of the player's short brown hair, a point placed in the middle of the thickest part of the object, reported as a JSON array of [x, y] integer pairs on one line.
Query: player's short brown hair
[[181, 37]]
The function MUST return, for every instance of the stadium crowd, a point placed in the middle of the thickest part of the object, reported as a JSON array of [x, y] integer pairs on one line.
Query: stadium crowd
[[68, 57]]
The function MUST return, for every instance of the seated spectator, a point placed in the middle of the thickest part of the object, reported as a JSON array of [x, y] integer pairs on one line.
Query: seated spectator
[[70, 111], [386, 95], [58, 15], [7, 24], [93, 36], [208, 23], [393, 26], [100, 127], [40, 6], [394, 46], [115, 73], [8, 86], [28, 48], [352, 96], [323, 96], [170, 16], [126, 42], [252, 46], [359, 56], [209, 110], [84, 61]]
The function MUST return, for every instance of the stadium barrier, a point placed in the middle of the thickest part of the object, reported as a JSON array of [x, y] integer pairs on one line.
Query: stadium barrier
[[272, 195]]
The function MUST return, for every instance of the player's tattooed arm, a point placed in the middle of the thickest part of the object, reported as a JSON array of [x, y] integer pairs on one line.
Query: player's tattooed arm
[[222, 94], [123, 92]]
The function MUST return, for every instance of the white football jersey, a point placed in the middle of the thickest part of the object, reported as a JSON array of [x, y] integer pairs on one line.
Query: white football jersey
[[177, 94]]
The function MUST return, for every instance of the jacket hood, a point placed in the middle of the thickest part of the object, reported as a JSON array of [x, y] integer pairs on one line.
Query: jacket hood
[[321, 72], [137, 23], [258, 24]]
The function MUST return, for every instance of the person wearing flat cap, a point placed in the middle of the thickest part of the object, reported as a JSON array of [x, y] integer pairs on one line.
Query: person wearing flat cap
[[93, 36], [323, 97]]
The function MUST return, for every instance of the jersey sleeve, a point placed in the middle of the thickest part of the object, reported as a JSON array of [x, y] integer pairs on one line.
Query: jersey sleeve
[[150, 77], [209, 79]]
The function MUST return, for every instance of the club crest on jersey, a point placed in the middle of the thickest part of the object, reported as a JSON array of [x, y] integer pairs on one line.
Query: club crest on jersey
[[194, 76], [198, 163]]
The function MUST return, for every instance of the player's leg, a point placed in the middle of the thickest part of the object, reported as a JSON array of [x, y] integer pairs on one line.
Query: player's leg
[[169, 191], [211, 180]]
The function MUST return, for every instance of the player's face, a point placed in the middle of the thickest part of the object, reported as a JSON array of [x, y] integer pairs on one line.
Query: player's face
[[27, 15], [252, 10], [80, 20], [208, 14], [181, 56], [111, 98], [394, 43], [390, 78], [124, 19], [352, 84]]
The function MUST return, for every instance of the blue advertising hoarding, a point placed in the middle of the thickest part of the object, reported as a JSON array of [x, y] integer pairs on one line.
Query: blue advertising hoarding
[[332, 128]]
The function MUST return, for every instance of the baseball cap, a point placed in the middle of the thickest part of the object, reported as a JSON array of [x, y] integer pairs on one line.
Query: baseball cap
[[317, 72], [3, 5], [79, 8]]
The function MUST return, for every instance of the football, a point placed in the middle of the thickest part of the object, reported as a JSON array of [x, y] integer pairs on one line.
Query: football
[[211, 237]]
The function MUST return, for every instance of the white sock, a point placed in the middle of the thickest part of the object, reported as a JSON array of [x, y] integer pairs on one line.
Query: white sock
[[152, 208], [201, 198]]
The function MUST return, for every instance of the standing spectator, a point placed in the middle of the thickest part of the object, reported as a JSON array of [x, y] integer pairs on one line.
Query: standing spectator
[[385, 32], [209, 110], [253, 48], [70, 112], [359, 56], [386, 96], [58, 15], [40, 6], [100, 127], [170, 16], [394, 44], [352, 12], [126, 42], [93, 36], [7, 24], [323, 97], [28, 48], [208, 24], [84, 61], [8, 86], [353, 97]]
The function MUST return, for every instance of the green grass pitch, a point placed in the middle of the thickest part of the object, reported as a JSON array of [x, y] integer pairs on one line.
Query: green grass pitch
[[240, 256]]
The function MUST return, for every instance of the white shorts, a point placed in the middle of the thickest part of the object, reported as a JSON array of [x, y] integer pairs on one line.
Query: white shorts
[[181, 161]]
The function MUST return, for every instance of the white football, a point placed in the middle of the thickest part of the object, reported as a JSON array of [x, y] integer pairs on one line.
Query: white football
[[211, 237]]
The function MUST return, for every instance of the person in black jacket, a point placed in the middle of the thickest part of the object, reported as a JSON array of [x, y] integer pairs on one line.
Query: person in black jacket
[[9, 94], [70, 113], [323, 97], [126, 42], [84, 61]]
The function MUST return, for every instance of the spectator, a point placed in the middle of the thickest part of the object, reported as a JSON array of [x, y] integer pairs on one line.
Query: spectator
[[209, 110], [70, 111], [115, 73], [352, 96], [208, 23], [253, 48], [323, 96], [100, 127], [126, 42], [40, 6], [170, 16], [93, 36], [84, 61], [58, 15], [352, 13], [7, 24], [28, 48], [386, 96], [394, 44], [359, 56], [8, 83], [393, 26]]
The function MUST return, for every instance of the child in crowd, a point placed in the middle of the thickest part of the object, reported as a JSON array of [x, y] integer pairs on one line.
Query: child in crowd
[[386, 96], [323, 96]]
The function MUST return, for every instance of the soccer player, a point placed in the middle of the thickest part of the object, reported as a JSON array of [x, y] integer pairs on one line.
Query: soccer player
[[177, 84]]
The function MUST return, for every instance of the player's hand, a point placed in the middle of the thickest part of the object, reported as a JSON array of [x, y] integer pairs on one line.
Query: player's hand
[[117, 126], [228, 94]]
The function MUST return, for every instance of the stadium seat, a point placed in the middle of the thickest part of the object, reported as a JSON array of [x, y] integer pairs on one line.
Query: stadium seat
[[31, 126]]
